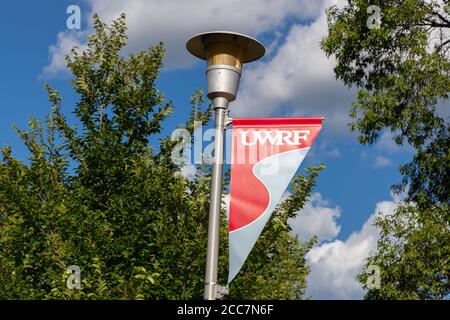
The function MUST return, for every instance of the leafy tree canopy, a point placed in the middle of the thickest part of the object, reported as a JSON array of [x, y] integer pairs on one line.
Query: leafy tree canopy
[[401, 68]]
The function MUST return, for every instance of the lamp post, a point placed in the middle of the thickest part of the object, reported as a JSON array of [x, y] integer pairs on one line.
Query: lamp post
[[225, 53]]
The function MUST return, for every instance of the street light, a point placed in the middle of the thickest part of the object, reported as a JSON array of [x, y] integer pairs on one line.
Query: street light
[[225, 52]]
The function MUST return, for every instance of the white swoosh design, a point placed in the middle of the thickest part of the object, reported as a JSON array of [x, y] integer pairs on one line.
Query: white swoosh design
[[242, 240]]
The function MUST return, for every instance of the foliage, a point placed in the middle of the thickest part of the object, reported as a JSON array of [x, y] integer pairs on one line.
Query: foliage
[[402, 72], [105, 195], [413, 254]]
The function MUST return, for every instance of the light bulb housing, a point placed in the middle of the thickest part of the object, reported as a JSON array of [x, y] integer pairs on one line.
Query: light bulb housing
[[225, 53]]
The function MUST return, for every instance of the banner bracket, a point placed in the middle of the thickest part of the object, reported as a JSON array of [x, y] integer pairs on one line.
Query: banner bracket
[[222, 291], [228, 119]]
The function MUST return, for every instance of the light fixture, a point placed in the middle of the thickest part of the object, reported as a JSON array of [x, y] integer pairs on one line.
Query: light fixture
[[225, 52]]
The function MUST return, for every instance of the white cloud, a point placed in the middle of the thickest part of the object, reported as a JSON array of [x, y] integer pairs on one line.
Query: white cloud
[[381, 162], [335, 265], [316, 218], [298, 81], [386, 141], [175, 21], [65, 42], [438, 35]]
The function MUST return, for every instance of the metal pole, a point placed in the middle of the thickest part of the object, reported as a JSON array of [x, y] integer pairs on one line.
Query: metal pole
[[212, 256], [225, 52]]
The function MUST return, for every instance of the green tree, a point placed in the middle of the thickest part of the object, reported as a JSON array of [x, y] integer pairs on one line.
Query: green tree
[[401, 68], [413, 255], [106, 196]]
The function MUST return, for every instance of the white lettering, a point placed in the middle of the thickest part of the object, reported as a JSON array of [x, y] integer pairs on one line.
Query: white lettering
[[277, 138]]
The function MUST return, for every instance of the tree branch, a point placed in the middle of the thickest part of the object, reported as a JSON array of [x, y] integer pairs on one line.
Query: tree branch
[[442, 45], [441, 17]]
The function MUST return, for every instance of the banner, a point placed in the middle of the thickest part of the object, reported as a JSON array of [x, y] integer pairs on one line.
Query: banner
[[266, 153]]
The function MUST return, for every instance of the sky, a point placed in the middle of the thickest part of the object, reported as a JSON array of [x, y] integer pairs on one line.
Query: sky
[[294, 79]]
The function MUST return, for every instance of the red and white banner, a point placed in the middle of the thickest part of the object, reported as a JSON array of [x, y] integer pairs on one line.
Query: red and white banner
[[266, 153]]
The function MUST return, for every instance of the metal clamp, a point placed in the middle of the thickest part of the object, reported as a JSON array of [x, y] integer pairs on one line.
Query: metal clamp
[[222, 291], [228, 119]]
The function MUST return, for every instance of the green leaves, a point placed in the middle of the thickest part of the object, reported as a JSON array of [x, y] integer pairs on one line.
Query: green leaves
[[412, 254], [402, 73], [144, 275]]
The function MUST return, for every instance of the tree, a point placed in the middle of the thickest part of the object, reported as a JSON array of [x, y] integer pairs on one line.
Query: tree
[[105, 196], [413, 255], [401, 68]]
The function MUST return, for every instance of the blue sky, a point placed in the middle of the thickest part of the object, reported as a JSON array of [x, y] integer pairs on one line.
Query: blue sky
[[294, 79]]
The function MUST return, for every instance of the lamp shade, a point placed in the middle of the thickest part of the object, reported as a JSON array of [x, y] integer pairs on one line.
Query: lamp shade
[[223, 47]]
